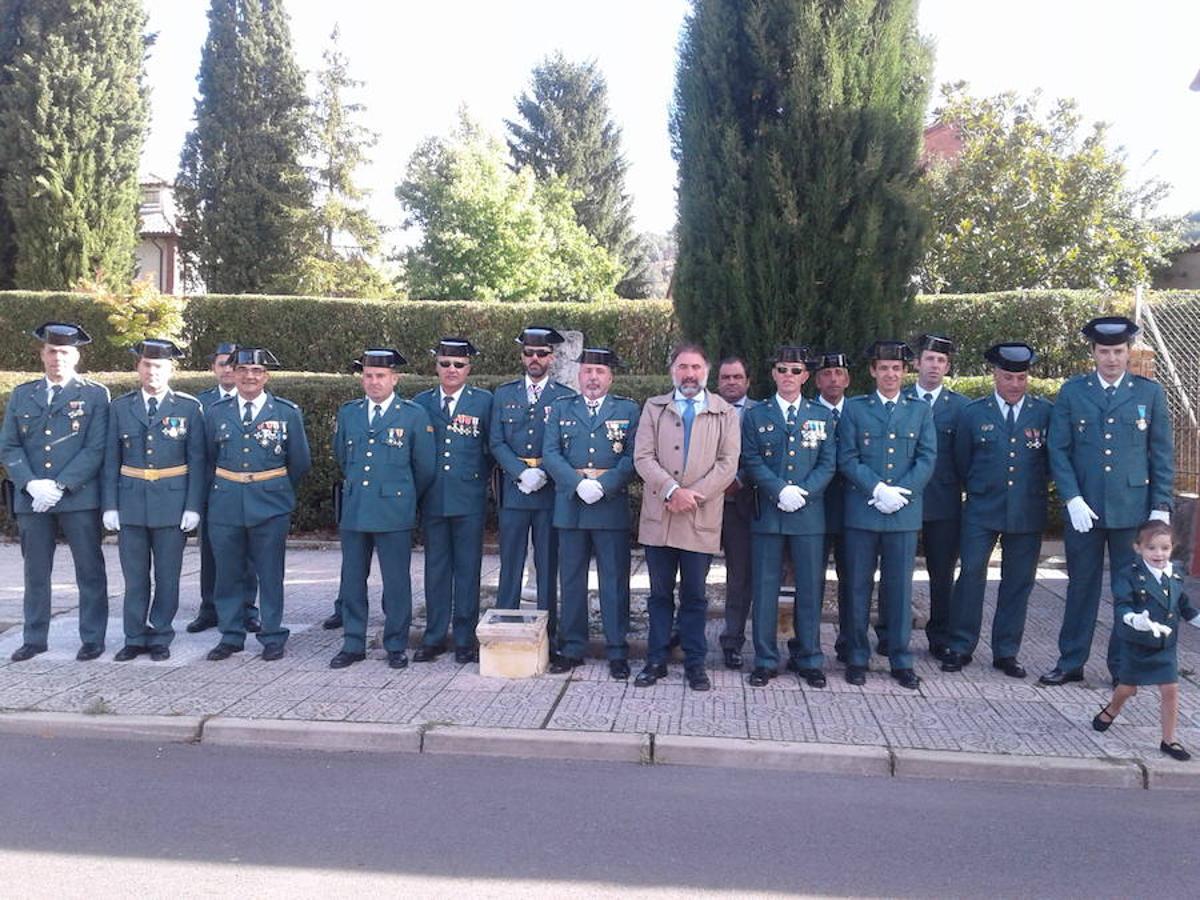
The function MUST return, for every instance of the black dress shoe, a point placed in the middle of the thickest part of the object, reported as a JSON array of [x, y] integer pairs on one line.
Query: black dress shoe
[[618, 669], [89, 652], [200, 623], [761, 676], [344, 659], [26, 651], [126, 653], [1099, 723], [650, 674], [1057, 676], [697, 679], [427, 654], [253, 626], [814, 678], [906, 678], [560, 664], [159, 653], [856, 675], [1009, 666], [733, 658], [939, 651], [955, 662], [464, 655], [397, 659], [1175, 750], [332, 623], [222, 651], [272, 652]]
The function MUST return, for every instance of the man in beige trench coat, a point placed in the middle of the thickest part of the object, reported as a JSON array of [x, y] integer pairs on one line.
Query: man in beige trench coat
[[686, 451]]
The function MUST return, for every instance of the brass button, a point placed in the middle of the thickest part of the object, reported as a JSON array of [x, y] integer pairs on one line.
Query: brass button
[[48, 432], [791, 453], [1108, 437], [49, 465], [366, 468], [365, 483], [1108, 468], [1012, 454], [149, 452], [1107, 451], [369, 454], [446, 468], [47, 448], [446, 454], [369, 441], [891, 449], [1010, 484]]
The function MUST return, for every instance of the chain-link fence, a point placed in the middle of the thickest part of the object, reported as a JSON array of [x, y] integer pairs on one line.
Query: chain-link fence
[[1172, 329]]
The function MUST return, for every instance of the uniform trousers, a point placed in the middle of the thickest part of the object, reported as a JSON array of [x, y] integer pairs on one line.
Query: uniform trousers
[[805, 551], [892, 553], [1085, 557], [263, 547], [575, 549], [1018, 571], [81, 528], [515, 528], [208, 580], [394, 549], [150, 612], [453, 556], [941, 539]]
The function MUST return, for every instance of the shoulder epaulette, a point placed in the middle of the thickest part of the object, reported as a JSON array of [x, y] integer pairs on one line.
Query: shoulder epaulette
[[512, 383], [185, 395], [132, 393], [286, 402], [220, 400]]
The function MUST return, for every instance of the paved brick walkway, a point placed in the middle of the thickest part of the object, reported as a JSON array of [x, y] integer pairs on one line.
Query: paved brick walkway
[[978, 710]]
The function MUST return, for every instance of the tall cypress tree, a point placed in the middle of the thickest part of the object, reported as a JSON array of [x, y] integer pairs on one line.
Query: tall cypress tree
[[73, 116], [566, 131], [796, 127], [244, 197]]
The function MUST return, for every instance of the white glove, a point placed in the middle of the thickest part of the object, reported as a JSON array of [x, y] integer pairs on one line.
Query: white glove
[[190, 520], [1161, 631], [792, 498], [531, 480], [589, 490], [888, 499], [1140, 622], [45, 494], [1081, 515], [112, 520], [1160, 515]]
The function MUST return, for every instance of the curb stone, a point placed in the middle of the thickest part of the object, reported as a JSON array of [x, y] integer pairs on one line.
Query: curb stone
[[832, 759], [168, 729], [961, 766], [299, 734], [1175, 776], [597, 746]]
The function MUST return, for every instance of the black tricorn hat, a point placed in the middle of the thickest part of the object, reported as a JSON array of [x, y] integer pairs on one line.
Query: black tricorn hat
[[539, 336], [889, 350], [454, 346], [937, 343], [254, 356], [156, 348], [222, 348], [1011, 357], [61, 334], [830, 361], [792, 353], [380, 358], [599, 356], [1110, 330]]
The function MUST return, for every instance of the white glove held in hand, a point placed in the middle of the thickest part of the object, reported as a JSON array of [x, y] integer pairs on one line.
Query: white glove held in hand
[[112, 520], [189, 521], [1139, 621], [1160, 515], [888, 499], [792, 498], [531, 480], [1081, 515], [589, 490], [45, 494], [1161, 631]]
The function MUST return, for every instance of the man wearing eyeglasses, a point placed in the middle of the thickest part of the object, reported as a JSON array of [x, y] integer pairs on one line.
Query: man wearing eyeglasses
[[520, 410], [206, 617], [789, 457], [887, 448], [257, 454], [455, 505]]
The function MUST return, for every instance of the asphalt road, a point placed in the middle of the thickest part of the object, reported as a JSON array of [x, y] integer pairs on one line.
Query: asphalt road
[[98, 818]]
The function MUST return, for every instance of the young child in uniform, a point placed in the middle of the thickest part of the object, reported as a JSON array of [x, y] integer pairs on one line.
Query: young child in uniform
[[1150, 604]]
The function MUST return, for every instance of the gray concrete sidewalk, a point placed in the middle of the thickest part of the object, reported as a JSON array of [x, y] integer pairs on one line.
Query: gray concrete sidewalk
[[976, 712]]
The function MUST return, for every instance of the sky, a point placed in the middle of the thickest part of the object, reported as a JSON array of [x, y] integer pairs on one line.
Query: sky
[[1128, 64]]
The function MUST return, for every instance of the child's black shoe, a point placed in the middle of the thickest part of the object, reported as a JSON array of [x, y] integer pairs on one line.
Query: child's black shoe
[[1175, 751]]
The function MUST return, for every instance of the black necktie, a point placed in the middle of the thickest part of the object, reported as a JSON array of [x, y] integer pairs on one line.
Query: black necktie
[[152, 408], [834, 413], [55, 390], [791, 416], [889, 405], [446, 406], [376, 414], [248, 417], [928, 398], [593, 408], [1011, 418], [1110, 391]]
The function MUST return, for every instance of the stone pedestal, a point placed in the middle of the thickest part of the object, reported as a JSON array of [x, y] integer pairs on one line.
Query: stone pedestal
[[513, 643]]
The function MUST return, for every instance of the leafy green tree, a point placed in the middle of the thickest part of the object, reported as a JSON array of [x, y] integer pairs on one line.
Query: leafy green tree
[[796, 128], [73, 116], [1035, 200], [245, 199], [350, 237], [489, 233], [565, 131]]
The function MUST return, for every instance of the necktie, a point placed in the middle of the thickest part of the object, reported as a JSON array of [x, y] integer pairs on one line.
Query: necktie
[[152, 408], [1011, 418], [535, 391], [1110, 391], [446, 406], [889, 406], [791, 416], [376, 413], [835, 414], [55, 390], [689, 419], [928, 398], [248, 415], [593, 408]]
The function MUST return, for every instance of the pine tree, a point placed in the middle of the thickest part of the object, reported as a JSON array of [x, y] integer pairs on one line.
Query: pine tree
[[245, 200], [796, 127], [73, 116], [566, 131], [349, 235]]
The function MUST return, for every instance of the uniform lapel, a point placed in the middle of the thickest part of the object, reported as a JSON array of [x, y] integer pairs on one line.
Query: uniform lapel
[[1124, 393], [602, 414]]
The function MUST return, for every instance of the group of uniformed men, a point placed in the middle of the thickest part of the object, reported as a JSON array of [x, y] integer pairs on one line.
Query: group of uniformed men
[[862, 478]]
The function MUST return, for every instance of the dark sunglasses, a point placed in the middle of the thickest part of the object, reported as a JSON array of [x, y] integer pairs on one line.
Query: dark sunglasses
[[794, 370], [540, 354], [446, 363]]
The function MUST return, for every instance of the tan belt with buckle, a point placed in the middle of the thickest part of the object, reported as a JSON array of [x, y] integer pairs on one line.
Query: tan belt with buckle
[[591, 472], [251, 477], [154, 474], [532, 461]]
